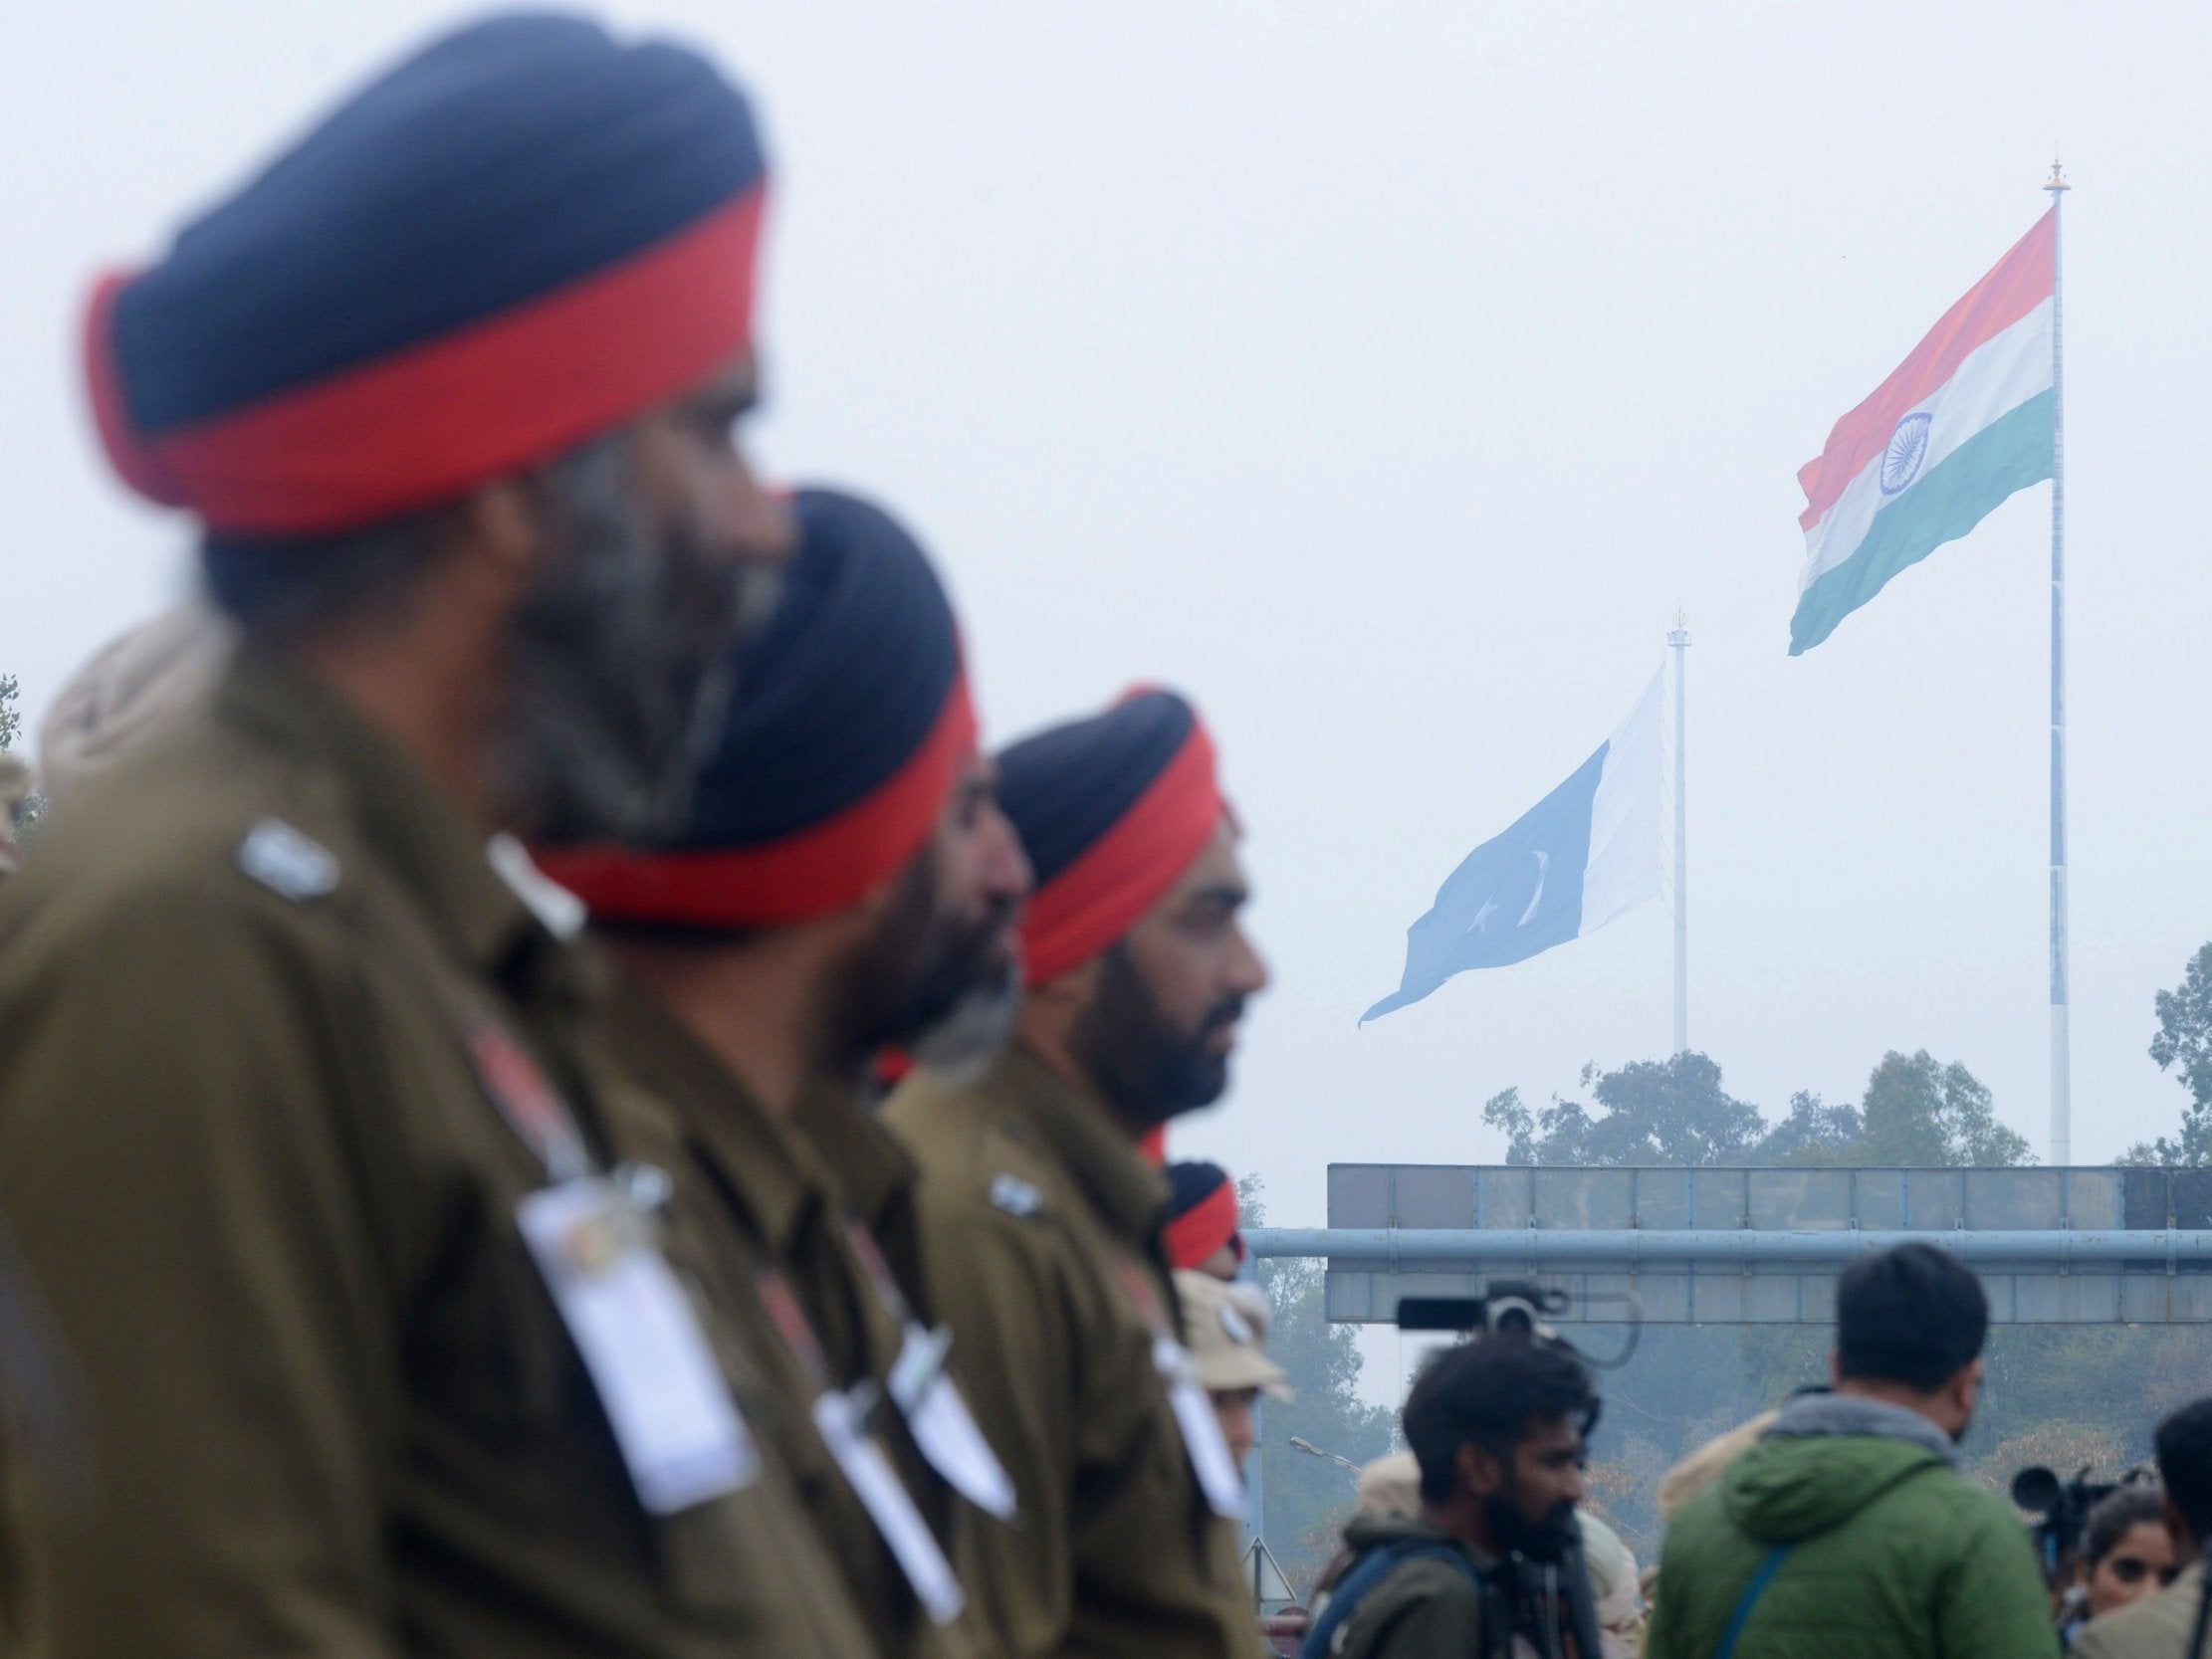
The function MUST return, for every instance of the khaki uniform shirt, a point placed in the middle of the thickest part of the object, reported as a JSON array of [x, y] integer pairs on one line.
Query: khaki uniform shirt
[[755, 1195], [2156, 1628], [1035, 1212], [878, 1179], [271, 1209]]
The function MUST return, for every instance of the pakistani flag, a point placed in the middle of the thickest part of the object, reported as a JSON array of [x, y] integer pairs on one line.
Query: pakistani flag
[[1572, 862], [1964, 421]]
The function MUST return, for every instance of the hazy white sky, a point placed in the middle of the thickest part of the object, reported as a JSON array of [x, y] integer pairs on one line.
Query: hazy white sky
[[1384, 375]]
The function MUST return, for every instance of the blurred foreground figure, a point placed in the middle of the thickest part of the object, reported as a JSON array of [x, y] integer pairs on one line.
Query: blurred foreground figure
[[297, 1133], [1490, 1557], [2175, 1623], [131, 690], [1846, 1530], [1043, 1220], [843, 882], [15, 783]]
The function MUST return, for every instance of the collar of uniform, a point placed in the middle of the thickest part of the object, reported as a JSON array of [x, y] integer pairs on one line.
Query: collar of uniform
[[1128, 1193], [869, 1164], [404, 818], [773, 1176]]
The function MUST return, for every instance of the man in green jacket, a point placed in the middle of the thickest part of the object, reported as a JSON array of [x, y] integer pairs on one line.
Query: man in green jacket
[[1846, 1530], [2161, 1626]]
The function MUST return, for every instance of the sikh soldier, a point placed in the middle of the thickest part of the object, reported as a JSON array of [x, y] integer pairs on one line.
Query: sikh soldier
[[842, 881], [299, 1134], [1042, 1221], [1203, 1230]]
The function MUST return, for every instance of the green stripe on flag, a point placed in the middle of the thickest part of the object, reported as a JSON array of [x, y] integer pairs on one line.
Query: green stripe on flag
[[2010, 452]]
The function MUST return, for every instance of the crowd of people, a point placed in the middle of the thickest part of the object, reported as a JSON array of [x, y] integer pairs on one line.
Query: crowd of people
[[1839, 1523], [557, 1098]]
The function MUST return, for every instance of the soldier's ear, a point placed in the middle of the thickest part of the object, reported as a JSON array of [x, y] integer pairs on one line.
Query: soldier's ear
[[504, 523], [1071, 992]]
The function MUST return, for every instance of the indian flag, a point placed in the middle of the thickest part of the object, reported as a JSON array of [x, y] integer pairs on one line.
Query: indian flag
[[1964, 421]]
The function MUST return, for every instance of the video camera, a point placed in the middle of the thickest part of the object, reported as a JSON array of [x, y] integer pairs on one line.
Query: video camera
[[2063, 1510], [1516, 1306]]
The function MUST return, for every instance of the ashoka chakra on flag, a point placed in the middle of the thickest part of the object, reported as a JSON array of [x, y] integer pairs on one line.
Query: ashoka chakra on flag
[[1966, 420]]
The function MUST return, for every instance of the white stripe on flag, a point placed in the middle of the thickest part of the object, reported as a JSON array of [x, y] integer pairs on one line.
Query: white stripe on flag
[[1998, 376], [1624, 867]]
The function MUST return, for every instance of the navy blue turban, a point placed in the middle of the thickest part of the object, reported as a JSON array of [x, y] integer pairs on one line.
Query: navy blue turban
[[524, 235], [1112, 810]]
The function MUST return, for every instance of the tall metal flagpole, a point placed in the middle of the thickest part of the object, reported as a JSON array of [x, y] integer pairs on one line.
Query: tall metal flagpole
[[1679, 640], [2061, 1063]]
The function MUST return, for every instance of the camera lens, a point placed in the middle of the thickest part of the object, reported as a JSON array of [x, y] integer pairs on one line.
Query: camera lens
[[1517, 1316]]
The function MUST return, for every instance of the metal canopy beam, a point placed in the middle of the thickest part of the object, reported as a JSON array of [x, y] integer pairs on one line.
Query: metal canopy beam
[[1728, 1245], [2056, 1248]]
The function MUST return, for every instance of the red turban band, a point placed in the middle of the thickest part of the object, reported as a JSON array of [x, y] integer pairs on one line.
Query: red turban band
[[1091, 902]]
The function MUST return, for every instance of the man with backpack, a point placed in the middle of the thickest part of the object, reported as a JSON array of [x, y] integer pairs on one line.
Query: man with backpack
[[1497, 1427], [1846, 1530]]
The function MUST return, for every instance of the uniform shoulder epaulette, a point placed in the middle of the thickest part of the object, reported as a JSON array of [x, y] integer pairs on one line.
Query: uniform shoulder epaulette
[[288, 861], [1016, 1196]]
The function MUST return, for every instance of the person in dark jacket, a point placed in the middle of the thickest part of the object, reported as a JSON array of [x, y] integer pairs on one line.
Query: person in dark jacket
[[1497, 1427], [1846, 1530]]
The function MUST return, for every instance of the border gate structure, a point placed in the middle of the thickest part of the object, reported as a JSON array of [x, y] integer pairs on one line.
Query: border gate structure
[[1760, 1246]]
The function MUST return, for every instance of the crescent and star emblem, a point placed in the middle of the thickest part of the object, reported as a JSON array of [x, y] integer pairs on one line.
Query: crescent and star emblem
[[1543, 868], [1489, 905]]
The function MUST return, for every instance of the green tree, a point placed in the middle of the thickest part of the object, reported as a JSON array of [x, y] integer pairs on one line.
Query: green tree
[[1813, 1133], [1309, 1498], [1671, 1111], [1920, 1112], [2183, 1046], [11, 719]]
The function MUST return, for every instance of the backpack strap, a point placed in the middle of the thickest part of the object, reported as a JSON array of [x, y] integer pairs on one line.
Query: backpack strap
[[1366, 1573], [1751, 1593]]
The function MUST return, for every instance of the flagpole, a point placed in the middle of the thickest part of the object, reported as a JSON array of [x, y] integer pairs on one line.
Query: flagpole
[[1679, 640], [2062, 1065]]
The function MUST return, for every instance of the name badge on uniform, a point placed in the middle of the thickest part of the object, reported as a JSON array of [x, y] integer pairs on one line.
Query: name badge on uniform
[[868, 1472], [938, 1417], [1202, 1429], [673, 1419]]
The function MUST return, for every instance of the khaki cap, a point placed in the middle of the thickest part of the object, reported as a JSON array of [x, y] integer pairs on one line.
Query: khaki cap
[[1225, 1327]]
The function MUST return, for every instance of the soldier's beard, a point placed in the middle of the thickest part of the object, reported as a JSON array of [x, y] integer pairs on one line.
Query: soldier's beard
[[1149, 1069], [618, 662], [945, 988]]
